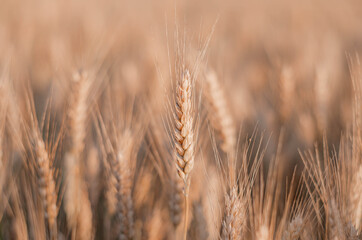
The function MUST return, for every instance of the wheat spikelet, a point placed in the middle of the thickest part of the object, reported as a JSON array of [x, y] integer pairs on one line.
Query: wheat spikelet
[[46, 184], [294, 229], [232, 225], [220, 114]]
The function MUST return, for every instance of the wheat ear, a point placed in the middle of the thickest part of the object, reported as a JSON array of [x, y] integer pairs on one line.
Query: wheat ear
[[232, 225], [184, 135], [77, 204], [47, 188], [122, 172], [123, 197], [221, 119], [221, 116]]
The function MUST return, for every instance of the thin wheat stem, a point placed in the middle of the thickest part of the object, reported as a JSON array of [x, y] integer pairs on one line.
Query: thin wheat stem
[[186, 215]]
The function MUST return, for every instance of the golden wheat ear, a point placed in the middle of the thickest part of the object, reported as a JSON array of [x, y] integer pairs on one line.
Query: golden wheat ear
[[219, 113], [43, 155], [77, 203], [233, 223], [120, 142], [184, 134]]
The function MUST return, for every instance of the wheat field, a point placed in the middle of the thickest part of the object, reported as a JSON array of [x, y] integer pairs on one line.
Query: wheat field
[[180, 119]]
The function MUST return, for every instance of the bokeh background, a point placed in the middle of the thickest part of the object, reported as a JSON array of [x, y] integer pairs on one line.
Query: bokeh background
[[283, 63]]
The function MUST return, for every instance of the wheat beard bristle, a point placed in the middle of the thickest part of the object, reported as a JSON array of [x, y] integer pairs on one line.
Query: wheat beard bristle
[[232, 226], [46, 185], [184, 135]]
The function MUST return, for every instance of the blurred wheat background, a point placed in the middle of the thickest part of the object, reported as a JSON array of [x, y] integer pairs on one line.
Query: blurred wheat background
[[180, 119]]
